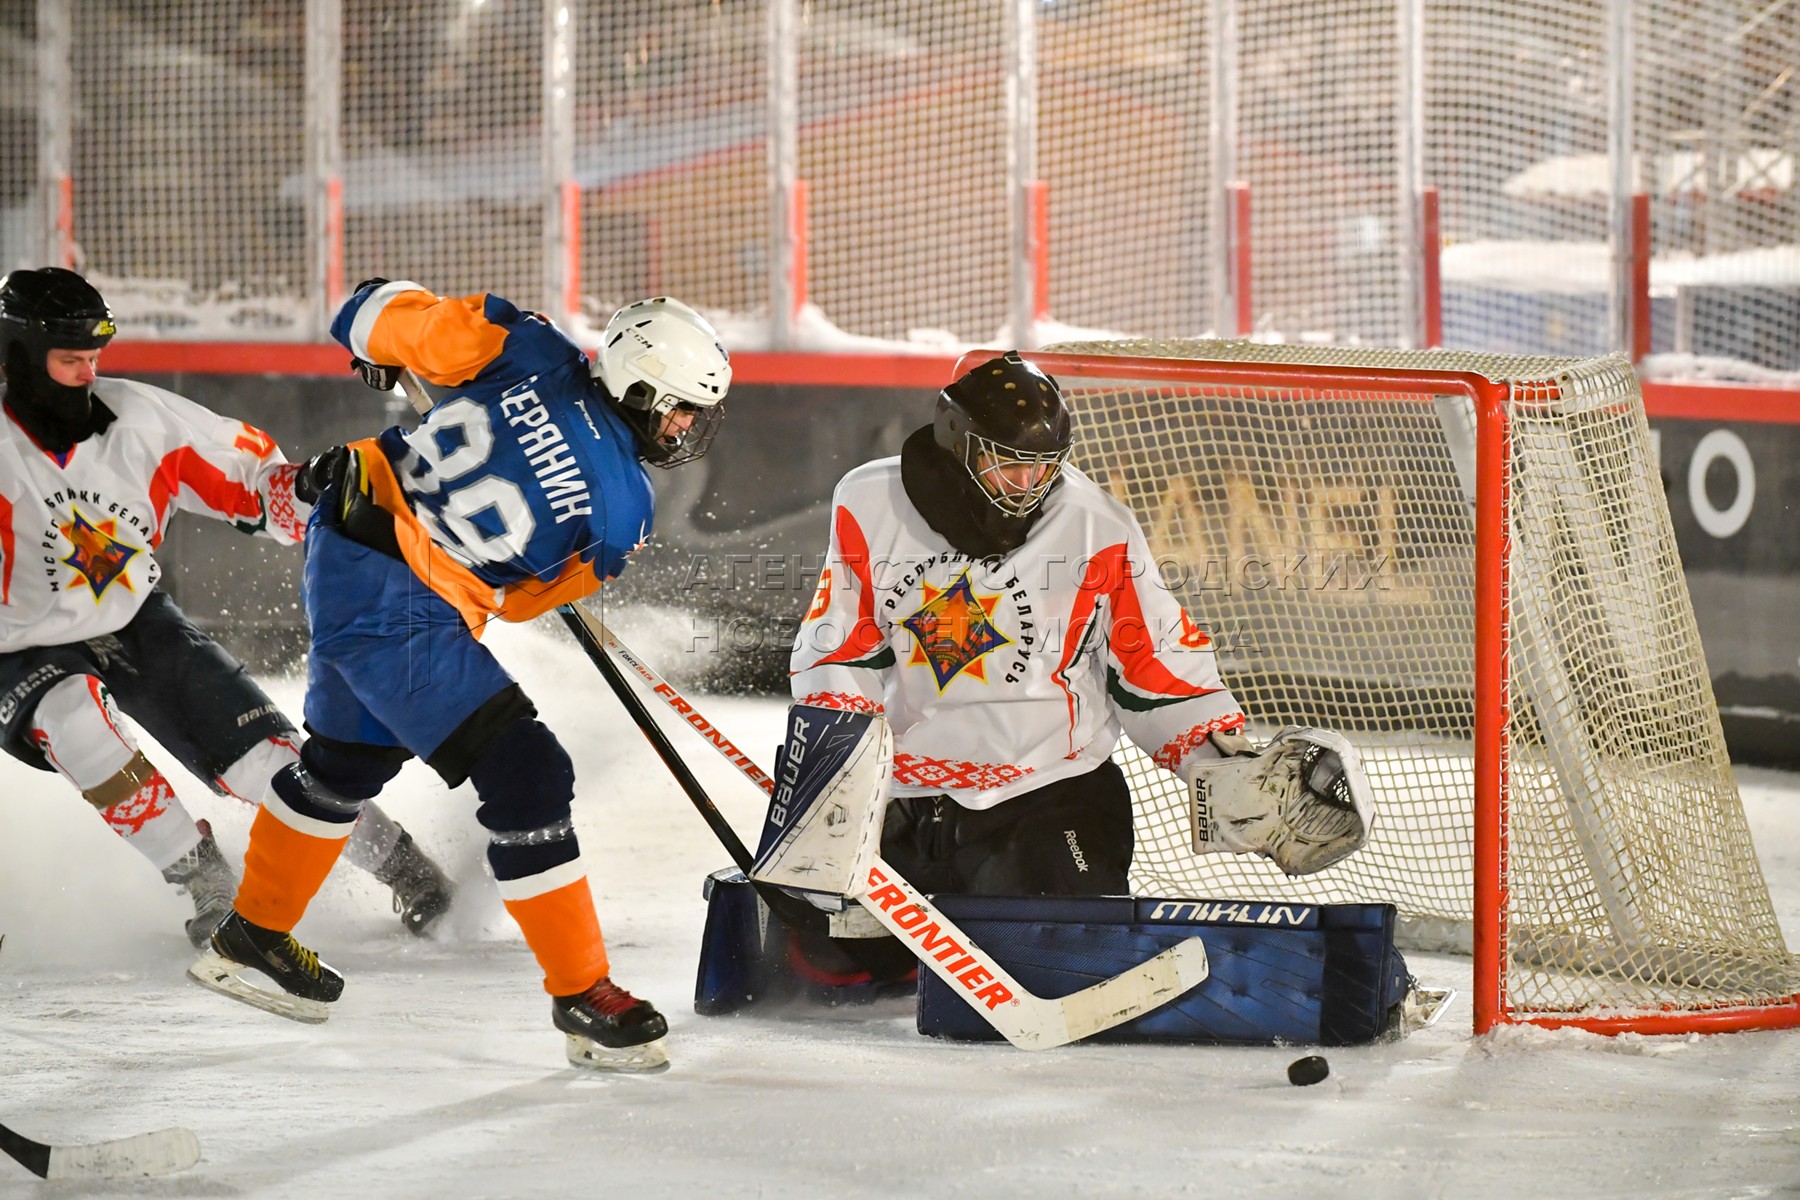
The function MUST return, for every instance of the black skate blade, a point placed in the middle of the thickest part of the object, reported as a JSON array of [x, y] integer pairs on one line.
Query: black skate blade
[[220, 974], [643, 1058]]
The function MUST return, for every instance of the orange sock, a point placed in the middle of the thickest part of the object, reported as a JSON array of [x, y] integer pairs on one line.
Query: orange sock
[[563, 931], [283, 869]]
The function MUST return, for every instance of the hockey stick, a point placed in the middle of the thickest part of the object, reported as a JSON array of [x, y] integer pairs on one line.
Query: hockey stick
[[159, 1153], [1028, 1021], [417, 396], [595, 640]]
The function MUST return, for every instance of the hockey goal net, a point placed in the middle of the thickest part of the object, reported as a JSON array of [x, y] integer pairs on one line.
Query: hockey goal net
[[1465, 563]]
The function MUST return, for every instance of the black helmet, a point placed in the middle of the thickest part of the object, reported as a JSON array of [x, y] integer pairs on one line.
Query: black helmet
[[40, 311], [52, 309], [1004, 413]]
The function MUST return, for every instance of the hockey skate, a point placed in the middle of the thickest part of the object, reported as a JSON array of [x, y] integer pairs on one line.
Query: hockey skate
[[205, 876], [421, 892], [609, 1029], [307, 985]]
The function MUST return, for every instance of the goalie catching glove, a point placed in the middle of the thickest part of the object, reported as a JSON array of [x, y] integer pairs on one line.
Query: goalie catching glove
[[1302, 801]]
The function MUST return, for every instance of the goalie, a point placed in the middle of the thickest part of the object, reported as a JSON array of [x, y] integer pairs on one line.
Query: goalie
[[1005, 614]]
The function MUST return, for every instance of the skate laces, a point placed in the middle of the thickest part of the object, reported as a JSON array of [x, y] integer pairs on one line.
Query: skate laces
[[609, 999], [306, 959]]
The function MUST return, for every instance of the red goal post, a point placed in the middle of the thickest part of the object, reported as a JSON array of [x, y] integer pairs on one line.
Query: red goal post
[[1465, 563]]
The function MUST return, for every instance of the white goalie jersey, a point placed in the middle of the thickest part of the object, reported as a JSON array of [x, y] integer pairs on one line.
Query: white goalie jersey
[[998, 676], [79, 531]]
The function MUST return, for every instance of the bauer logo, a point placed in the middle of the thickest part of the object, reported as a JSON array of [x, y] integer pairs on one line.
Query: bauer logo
[[1230, 912], [787, 772], [32, 683]]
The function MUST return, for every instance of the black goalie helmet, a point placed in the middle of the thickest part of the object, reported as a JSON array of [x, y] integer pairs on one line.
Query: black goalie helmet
[[1006, 422], [52, 309]]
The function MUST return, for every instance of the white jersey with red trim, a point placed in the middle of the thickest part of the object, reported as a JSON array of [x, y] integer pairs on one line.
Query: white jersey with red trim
[[1001, 675], [79, 531]]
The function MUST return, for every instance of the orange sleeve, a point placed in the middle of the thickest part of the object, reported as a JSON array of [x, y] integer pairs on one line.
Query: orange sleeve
[[532, 598], [443, 340]]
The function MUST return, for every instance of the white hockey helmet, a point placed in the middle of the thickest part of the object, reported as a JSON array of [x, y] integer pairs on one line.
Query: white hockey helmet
[[661, 361]]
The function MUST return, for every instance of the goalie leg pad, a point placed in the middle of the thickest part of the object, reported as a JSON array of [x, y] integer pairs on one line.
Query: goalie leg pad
[[1303, 802], [750, 959], [1325, 975], [734, 954]]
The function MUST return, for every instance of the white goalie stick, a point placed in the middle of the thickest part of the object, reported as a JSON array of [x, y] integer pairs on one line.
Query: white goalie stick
[[1028, 1021], [409, 387], [161, 1153]]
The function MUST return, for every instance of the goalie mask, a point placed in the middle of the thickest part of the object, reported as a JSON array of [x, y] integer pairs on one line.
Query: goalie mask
[[42, 311], [666, 375], [1006, 423]]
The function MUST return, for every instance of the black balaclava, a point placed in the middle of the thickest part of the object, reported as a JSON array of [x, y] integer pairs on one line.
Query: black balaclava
[[55, 415], [41, 310], [953, 504]]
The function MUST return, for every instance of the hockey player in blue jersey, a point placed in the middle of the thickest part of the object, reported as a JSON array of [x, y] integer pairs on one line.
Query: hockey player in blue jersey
[[523, 488]]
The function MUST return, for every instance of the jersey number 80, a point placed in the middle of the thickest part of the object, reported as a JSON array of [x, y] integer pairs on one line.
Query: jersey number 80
[[430, 471]]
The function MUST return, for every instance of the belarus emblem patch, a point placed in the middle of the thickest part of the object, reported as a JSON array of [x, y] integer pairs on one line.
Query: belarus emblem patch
[[953, 630], [97, 556]]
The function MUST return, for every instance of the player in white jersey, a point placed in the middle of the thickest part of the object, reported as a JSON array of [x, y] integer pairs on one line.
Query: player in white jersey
[[1006, 616], [91, 471]]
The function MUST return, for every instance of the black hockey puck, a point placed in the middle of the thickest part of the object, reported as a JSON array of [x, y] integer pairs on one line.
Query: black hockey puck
[[1308, 1070]]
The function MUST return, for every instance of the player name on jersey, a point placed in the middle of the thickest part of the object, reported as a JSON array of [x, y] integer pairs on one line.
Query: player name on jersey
[[553, 462]]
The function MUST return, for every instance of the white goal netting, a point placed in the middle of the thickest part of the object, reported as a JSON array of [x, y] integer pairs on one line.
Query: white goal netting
[[1325, 535]]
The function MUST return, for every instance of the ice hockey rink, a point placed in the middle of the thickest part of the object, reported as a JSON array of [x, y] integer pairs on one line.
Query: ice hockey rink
[[439, 1075]]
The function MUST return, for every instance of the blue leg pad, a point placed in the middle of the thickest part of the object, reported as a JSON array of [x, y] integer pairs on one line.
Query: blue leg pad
[[1291, 973], [750, 959]]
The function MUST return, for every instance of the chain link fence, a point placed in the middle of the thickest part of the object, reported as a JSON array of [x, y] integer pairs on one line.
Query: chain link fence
[[929, 173]]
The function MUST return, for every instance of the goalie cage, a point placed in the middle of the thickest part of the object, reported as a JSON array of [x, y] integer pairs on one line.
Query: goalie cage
[[1465, 563]]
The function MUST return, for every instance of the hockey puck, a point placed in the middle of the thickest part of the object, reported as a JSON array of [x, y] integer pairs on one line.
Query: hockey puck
[[1308, 1070]]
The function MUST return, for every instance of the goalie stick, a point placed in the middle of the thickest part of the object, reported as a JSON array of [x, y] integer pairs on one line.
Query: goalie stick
[[1028, 1021], [414, 392], [160, 1153]]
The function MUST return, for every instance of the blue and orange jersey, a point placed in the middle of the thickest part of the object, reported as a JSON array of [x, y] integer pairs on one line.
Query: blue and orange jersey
[[520, 489]]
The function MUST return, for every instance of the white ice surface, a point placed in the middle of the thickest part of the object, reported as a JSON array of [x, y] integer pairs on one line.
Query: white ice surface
[[438, 1074]]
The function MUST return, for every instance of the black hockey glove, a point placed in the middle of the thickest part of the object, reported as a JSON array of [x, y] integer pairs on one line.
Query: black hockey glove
[[381, 378], [320, 472]]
